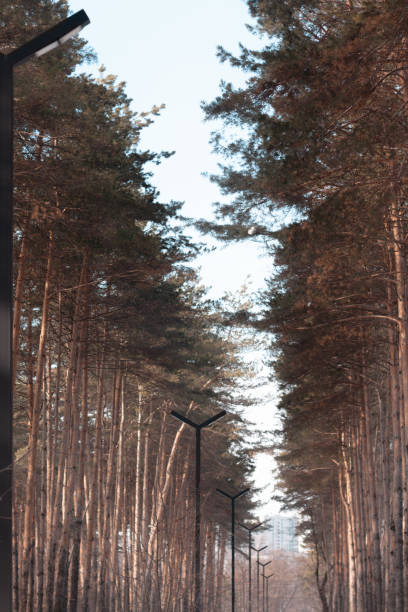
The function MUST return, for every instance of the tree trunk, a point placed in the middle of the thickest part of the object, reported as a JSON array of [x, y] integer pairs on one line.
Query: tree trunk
[[30, 501]]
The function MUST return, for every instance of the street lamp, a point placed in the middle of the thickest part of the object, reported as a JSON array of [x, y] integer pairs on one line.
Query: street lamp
[[258, 550], [233, 498], [198, 428], [263, 582], [41, 44], [267, 591], [250, 530]]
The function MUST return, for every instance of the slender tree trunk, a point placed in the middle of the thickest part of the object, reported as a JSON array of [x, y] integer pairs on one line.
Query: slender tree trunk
[[401, 293], [376, 560], [117, 502], [18, 297], [345, 494], [90, 571], [67, 457], [80, 430], [219, 585], [137, 557], [29, 532]]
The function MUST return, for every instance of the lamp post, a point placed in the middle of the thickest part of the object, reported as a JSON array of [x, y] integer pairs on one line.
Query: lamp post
[[198, 428], [250, 530], [41, 44], [233, 498], [263, 582], [267, 591], [258, 550], [243, 554]]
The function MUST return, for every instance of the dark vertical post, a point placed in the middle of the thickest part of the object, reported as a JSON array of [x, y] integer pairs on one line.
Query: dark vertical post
[[263, 589], [198, 428], [263, 582], [232, 498], [258, 550], [250, 530], [39, 45], [197, 521], [267, 591], [233, 554], [257, 581], [249, 572], [6, 302]]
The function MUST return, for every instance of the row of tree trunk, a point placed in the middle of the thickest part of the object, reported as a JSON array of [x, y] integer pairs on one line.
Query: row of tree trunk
[[110, 332], [361, 522], [103, 512], [103, 500]]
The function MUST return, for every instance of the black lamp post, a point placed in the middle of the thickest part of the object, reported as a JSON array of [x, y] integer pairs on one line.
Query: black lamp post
[[233, 498], [41, 44], [242, 552], [250, 530], [258, 550], [267, 591], [198, 428], [263, 582]]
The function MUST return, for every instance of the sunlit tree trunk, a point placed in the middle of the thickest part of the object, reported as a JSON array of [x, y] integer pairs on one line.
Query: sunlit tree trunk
[[345, 493], [91, 550], [117, 500], [137, 552], [30, 500], [64, 511], [21, 266], [402, 305], [219, 582], [78, 445]]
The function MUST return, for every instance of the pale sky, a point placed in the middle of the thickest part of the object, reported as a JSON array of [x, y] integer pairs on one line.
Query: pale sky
[[165, 51]]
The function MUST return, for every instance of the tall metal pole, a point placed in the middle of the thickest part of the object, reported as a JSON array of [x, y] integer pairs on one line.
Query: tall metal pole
[[233, 498], [258, 550], [263, 582], [249, 572], [250, 530], [263, 589], [198, 427], [267, 591], [233, 554], [6, 284], [197, 519], [39, 45]]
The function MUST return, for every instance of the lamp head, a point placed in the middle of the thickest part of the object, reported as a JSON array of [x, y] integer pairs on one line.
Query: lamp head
[[52, 38]]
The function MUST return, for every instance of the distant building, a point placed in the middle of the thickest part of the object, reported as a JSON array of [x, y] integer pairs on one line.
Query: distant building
[[282, 534]]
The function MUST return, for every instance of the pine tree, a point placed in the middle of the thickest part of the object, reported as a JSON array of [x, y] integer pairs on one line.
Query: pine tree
[[111, 331], [320, 111]]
